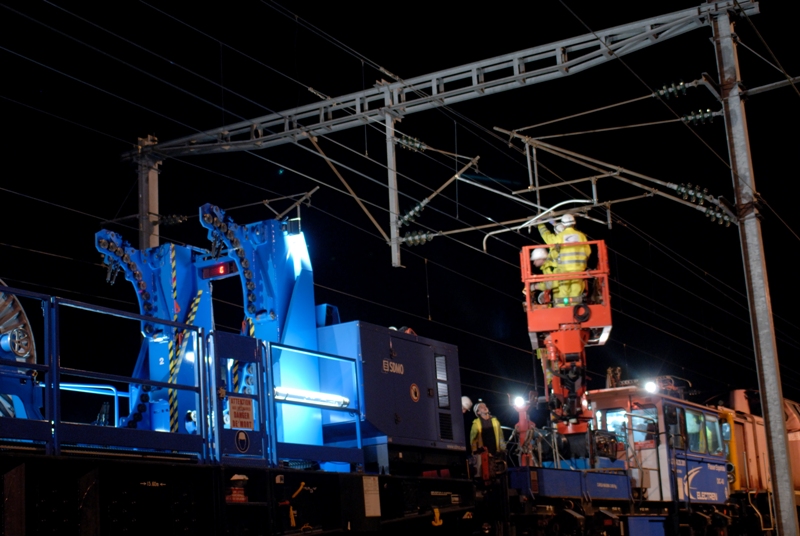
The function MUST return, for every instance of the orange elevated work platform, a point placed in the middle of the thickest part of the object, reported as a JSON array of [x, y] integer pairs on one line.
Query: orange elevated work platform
[[591, 312]]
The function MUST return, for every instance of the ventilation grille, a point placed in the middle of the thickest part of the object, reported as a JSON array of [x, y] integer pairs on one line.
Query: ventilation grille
[[446, 426]]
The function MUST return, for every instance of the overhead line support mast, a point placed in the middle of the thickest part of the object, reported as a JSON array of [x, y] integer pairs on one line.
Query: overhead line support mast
[[755, 272], [147, 168]]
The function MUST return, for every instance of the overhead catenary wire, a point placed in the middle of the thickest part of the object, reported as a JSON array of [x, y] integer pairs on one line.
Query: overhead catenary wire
[[105, 92], [419, 316], [608, 129], [423, 317], [764, 42], [171, 62], [51, 288], [76, 211], [195, 166], [101, 52], [641, 266], [367, 202], [672, 310], [668, 361], [134, 67], [446, 110], [384, 185], [750, 357], [667, 332], [703, 274], [580, 114], [673, 334], [711, 149], [690, 343], [759, 56], [489, 339], [361, 58], [221, 43], [686, 262], [127, 64]]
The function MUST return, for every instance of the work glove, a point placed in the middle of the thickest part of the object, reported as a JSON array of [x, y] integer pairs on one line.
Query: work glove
[[552, 222]]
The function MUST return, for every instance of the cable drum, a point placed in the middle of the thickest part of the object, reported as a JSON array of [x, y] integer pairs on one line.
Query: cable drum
[[16, 337], [581, 312]]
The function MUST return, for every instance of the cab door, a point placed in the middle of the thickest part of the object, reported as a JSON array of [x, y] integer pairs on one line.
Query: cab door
[[698, 456]]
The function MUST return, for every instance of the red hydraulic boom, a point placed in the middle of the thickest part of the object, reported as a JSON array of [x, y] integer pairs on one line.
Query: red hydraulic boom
[[560, 329]]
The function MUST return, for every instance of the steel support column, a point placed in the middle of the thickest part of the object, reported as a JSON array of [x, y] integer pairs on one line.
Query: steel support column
[[148, 195], [391, 167], [756, 276]]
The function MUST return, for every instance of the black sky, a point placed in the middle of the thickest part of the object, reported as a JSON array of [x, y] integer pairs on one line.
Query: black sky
[[81, 83]]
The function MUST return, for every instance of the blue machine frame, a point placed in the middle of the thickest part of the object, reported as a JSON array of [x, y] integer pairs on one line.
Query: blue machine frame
[[295, 386]]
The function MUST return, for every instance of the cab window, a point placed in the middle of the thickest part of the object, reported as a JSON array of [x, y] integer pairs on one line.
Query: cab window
[[696, 431], [713, 437], [644, 423], [675, 424], [614, 421]]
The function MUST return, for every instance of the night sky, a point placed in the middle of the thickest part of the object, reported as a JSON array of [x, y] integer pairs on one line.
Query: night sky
[[81, 83]]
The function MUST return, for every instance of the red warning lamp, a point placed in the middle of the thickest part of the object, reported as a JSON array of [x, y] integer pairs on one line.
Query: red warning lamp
[[218, 271]]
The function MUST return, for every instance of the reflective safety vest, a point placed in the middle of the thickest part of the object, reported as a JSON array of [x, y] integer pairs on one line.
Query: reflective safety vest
[[549, 266], [572, 258], [476, 437]]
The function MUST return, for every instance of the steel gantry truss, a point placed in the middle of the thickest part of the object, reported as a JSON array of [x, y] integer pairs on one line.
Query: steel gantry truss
[[389, 101]]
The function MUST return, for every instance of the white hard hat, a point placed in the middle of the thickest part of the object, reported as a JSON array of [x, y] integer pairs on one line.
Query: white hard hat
[[558, 228], [568, 220], [466, 403], [539, 253], [478, 405]]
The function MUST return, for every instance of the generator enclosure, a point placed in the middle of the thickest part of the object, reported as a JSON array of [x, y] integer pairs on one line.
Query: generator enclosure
[[410, 388]]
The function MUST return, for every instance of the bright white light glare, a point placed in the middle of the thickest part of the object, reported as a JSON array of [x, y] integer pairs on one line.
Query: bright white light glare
[[298, 251], [189, 356], [519, 402], [651, 387], [604, 336], [290, 394], [584, 403]]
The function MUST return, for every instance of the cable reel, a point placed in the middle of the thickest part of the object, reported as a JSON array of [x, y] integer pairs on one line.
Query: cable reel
[[16, 337], [581, 312]]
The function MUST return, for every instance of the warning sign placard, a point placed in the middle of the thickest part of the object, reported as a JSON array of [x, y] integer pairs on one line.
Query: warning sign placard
[[241, 413]]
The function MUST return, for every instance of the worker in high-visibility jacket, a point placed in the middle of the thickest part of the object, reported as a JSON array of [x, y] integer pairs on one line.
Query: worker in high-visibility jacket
[[546, 260], [486, 439], [570, 259], [486, 432]]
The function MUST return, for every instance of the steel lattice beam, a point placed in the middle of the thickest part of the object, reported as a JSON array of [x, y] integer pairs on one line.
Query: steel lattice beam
[[402, 97]]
